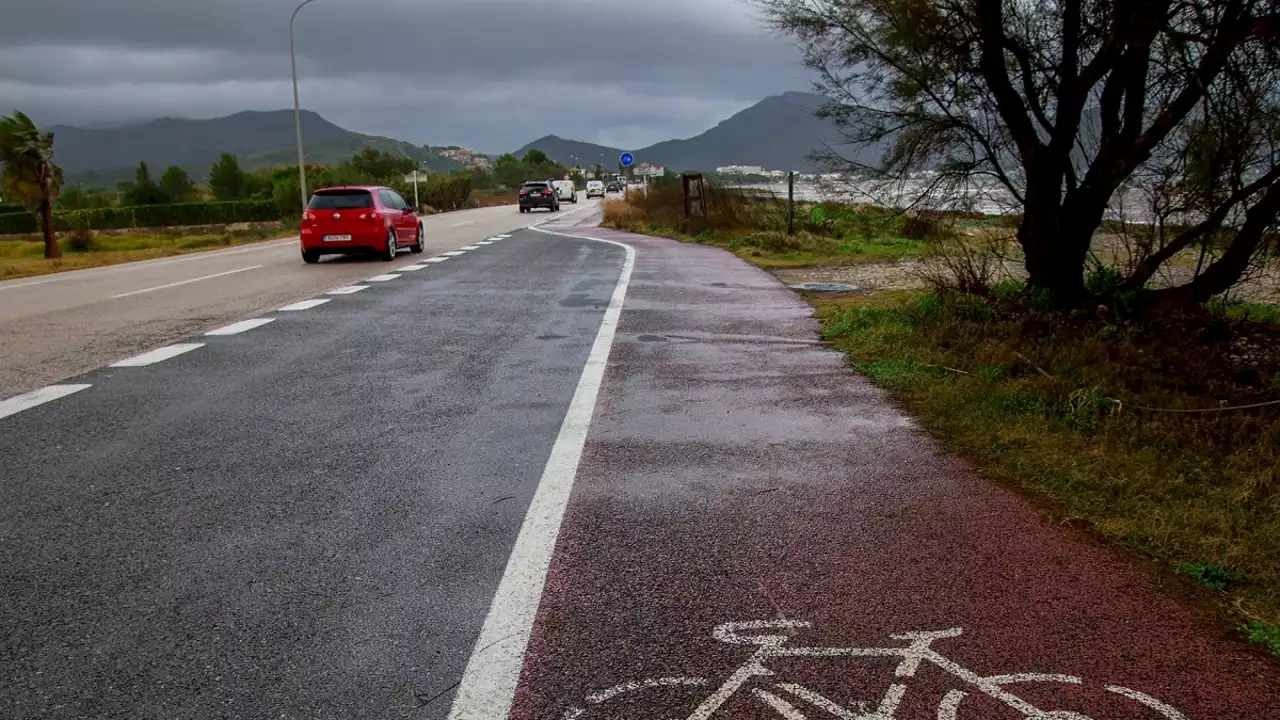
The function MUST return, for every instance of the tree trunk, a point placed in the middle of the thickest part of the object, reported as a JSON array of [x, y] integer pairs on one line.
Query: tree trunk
[[51, 249], [1055, 253]]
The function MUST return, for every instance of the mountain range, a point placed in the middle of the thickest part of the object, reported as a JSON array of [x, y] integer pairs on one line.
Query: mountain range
[[780, 132], [106, 155], [777, 133]]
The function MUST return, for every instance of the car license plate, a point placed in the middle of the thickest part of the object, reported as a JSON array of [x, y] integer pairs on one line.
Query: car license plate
[[337, 238]]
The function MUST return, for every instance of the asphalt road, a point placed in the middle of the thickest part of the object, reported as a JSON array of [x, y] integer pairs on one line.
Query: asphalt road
[[56, 326], [307, 519], [570, 474]]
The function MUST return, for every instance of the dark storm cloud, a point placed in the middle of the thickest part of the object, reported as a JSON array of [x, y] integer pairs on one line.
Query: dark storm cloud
[[487, 73]]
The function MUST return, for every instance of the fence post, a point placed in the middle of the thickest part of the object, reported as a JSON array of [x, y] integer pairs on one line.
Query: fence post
[[791, 203]]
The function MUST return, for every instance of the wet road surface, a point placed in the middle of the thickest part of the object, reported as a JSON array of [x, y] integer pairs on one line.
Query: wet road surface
[[737, 471], [59, 325], [304, 520]]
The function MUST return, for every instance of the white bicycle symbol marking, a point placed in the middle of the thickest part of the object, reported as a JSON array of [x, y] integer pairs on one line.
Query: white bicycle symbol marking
[[782, 697]]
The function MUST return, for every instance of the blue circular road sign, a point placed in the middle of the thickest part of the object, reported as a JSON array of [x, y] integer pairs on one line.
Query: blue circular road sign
[[627, 159]]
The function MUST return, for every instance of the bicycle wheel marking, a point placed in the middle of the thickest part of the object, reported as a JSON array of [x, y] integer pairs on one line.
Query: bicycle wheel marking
[[1147, 700], [603, 695], [1032, 677]]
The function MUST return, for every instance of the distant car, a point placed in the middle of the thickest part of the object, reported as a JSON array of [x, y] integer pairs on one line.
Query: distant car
[[613, 187], [566, 190], [595, 188], [536, 194], [359, 219]]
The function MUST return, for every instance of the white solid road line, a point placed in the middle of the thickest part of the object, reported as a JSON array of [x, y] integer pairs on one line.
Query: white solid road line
[[463, 224], [158, 355], [436, 259], [239, 327], [349, 290], [382, 278], [26, 401], [185, 282], [305, 305], [488, 684]]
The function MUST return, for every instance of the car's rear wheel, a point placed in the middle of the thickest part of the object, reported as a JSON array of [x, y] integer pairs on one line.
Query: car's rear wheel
[[310, 257], [421, 244], [389, 253]]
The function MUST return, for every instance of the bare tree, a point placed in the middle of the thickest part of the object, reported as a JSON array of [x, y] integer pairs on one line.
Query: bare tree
[[1065, 104]]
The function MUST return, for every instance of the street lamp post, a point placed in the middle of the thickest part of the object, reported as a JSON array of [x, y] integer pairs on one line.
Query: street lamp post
[[297, 111]]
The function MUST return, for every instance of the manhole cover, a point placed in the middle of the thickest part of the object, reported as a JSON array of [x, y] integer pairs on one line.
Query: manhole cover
[[825, 287]]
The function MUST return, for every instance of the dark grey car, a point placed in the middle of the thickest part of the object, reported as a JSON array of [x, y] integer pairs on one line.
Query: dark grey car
[[538, 194]]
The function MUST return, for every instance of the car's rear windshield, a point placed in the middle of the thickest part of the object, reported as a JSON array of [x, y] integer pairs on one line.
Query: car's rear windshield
[[340, 200], [536, 186]]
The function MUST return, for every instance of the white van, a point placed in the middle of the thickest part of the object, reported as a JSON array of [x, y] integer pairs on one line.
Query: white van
[[566, 190], [595, 188]]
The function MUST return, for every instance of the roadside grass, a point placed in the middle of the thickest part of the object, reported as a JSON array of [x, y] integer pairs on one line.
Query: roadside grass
[[24, 256], [822, 237], [1052, 406]]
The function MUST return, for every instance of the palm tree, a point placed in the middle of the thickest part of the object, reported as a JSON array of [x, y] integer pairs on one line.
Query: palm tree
[[30, 177]]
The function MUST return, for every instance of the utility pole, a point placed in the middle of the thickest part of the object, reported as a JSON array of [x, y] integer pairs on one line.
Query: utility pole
[[791, 203], [297, 110]]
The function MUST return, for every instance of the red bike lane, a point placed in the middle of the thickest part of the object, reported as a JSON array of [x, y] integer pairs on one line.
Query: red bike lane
[[736, 470]]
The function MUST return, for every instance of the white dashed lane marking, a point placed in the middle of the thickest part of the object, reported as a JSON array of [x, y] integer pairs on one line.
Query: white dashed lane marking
[[158, 355], [436, 259], [412, 268], [26, 401], [455, 253], [470, 247], [184, 282], [304, 305], [349, 290], [242, 326], [382, 278]]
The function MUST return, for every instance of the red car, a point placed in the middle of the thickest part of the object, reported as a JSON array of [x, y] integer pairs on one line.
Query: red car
[[359, 219]]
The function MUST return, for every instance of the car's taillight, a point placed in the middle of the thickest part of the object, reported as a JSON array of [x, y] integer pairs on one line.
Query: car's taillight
[[524, 192], [308, 216], [547, 192]]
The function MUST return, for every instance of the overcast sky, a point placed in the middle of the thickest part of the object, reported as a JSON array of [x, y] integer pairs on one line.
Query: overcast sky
[[489, 74]]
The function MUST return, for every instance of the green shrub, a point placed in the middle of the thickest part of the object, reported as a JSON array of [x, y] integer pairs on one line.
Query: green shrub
[[18, 223], [80, 240], [1210, 575]]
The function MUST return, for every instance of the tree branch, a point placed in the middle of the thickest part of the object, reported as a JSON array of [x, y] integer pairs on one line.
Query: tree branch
[[1148, 267], [996, 73]]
